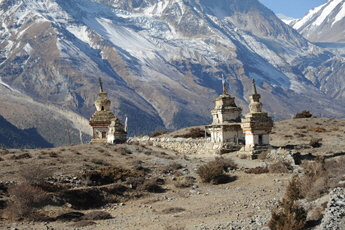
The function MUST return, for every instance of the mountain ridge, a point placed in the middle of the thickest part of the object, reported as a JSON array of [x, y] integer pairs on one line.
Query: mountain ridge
[[161, 62]]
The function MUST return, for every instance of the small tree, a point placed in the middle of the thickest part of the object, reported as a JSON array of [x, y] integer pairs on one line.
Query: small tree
[[289, 216]]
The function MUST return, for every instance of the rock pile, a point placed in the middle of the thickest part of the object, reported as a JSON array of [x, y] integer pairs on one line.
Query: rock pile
[[334, 217]]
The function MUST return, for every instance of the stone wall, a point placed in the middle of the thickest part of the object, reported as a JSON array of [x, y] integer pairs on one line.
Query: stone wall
[[182, 145]]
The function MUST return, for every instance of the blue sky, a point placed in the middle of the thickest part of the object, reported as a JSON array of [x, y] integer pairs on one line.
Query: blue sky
[[292, 8]]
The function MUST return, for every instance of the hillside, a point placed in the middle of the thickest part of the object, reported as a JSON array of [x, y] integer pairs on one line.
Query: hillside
[[12, 137], [177, 199], [161, 61]]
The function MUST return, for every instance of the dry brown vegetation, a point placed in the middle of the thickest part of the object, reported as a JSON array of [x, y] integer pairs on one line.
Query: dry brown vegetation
[[150, 186]]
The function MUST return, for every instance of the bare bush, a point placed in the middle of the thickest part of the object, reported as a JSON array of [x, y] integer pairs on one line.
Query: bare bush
[[97, 215], [210, 171], [184, 182], [173, 210], [227, 163], [262, 155], [36, 175], [21, 156], [172, 167], [289, 216], [24, 202], [176, 227], [317, 129], [158, 133], [257, 170], [279, 167], [314, 142], [107, 175], [153, 185], [303, 114], [193, 133], [82, 223]]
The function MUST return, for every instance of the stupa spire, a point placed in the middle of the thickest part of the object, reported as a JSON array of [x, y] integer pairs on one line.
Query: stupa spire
[[100, 85], [254, 87], [223, 84]]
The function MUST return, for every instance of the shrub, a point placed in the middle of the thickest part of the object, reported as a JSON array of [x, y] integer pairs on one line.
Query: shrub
[[97, 215], [299, 134], [25, 200], [70, 216], [134, 182], [5, 152], [193, 133], [35, 174], [184, 182], [21, 156], [257, 170], [153, 185], [172, 167], [290, 216], [210, 171], [158, 133], [279, 167], [314, 181], [317, 129], [227, 163], [315, 142], [176, 227], [82, 223], [107, 175], [262, 155], [173, 210], [303, 114], [84, 198], [293, 191]]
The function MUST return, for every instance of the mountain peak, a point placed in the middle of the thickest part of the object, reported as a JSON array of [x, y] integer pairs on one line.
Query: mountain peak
[[324, 23]]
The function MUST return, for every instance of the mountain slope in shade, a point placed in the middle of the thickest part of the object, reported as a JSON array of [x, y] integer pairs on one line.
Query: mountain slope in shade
[[12, 137], [161, 61], [325, 23]]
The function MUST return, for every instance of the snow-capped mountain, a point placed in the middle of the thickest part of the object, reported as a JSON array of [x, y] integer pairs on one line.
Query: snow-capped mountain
[[161, 61], [325, 23], [285, 19]]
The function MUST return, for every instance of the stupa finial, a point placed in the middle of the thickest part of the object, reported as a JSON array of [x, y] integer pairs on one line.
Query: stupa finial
[[223, 84], [254, 87], [100, 84]]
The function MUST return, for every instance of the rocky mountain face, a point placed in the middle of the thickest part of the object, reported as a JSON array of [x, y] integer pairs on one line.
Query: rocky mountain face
[[324, 23], [161, 61]]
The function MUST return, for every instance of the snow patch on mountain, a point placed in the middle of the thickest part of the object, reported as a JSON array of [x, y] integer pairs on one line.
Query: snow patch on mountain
[[299, 23], [340, 15], [285, 19], [326, 11]]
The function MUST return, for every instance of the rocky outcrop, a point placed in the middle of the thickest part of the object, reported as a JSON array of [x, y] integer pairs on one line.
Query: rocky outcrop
[[334, 215]]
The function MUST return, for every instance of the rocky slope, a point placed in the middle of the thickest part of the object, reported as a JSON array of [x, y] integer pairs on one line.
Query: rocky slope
[[161, 61]]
